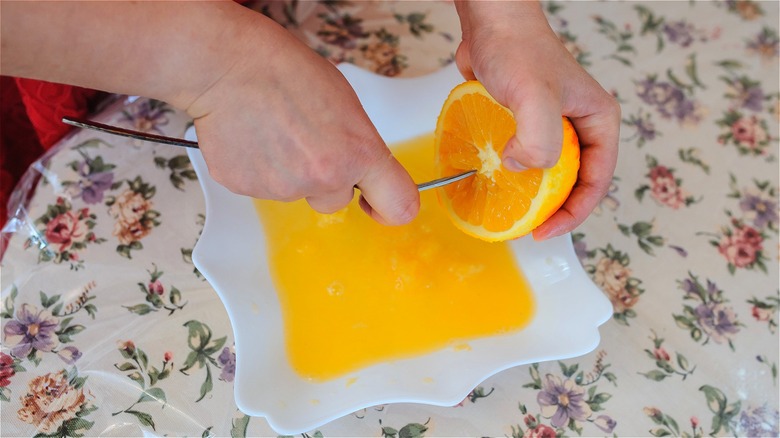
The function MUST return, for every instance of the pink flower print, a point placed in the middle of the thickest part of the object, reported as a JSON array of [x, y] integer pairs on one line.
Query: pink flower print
[[761, 314], [156, 287], [661, 354], [6, 369], [749, 235], [742, 247], [664, 188], [128, 347], [748, 133], [540, 431], [65, 230], [737, 252]]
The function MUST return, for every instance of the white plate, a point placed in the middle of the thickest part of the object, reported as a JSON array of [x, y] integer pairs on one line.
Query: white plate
[[231, 255]]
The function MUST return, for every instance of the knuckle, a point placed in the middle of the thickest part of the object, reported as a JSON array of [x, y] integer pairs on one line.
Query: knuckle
[[278, 189], [539, 157], [230, 181], [614, 107]]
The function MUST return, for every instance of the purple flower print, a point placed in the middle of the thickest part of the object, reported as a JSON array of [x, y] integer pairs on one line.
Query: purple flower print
[[766, 44], [31, 330], [717, 321], [668, 99], [148, 116], [759, 421], [69, 355], [763, 211], [645, 129], [581, 250], [679, 32], [605, 423], [227, 359], [692, 287], [748, 95], [562, 400], [92, 185]]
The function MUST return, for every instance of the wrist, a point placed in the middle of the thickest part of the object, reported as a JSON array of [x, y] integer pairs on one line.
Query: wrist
[[498, 15]]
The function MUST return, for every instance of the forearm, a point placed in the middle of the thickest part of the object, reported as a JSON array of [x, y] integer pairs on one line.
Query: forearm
[[171, 51], [496, 15]]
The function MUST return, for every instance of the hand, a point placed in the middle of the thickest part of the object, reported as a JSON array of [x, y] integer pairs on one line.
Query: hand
[[283, 123], [511, 49], [274, 119]]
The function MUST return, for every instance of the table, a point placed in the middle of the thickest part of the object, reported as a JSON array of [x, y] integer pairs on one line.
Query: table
[[109, 329]]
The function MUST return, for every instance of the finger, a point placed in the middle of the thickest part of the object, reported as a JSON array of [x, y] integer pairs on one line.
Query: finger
[[463, 61], [331, 202], [389, 195], [573, 212], [599, 137], [537, 142]]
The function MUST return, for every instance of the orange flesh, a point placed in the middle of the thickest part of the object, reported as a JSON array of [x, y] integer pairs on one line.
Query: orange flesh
[[476, 127], [354, 293], [496, 204]]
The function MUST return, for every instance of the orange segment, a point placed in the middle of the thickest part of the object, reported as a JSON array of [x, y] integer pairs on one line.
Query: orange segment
[[496, 204]]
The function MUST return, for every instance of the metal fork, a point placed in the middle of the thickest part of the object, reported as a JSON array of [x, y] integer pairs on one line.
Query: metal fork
[[138, 135]]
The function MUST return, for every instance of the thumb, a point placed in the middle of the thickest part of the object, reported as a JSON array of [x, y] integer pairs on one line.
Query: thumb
[[389, 195], [463, 61], [537, 141]]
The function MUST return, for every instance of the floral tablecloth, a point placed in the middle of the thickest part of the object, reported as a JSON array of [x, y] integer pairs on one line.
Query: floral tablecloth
[[108, 328]]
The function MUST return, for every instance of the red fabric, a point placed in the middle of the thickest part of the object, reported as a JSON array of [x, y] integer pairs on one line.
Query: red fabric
[[30, 123]]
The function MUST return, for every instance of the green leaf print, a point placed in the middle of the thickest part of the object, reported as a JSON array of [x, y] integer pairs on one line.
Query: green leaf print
[[138, 370], [203, 349], [239, 427], [724, 412]]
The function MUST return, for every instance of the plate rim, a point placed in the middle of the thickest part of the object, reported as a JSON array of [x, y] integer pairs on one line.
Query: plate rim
[[215, 195]]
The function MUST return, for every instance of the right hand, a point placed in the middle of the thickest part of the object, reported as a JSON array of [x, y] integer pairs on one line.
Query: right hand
[[282, 123]]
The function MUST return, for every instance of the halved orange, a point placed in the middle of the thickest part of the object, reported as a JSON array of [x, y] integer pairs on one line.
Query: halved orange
[[495, 204]]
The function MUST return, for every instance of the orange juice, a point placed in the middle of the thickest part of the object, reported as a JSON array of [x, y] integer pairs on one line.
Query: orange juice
[[355, 293]]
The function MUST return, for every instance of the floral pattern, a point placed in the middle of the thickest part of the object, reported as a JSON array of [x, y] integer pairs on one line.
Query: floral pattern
[[711, 318], [57, 405], [98, 278], [135, 218], [138, 369], [29, 332], [568, 401], [664, 188], [64, 233], [157, 297]]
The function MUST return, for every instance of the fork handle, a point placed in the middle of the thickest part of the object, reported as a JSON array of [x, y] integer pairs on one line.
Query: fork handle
[[96, 126]]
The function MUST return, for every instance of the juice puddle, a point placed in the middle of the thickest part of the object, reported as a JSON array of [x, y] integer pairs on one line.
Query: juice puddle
[[355, 293]]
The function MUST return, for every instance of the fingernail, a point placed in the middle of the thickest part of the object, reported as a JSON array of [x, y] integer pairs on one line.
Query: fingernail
[[513, 165]]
